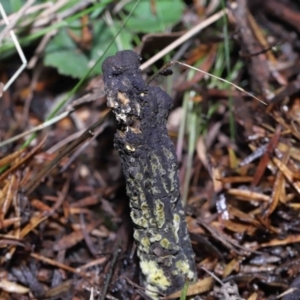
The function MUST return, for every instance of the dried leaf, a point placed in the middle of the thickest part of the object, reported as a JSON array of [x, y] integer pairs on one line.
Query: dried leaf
[[12, 287], [232, 266], [70, 240], [201, 286], [291, 239], [287, 173]]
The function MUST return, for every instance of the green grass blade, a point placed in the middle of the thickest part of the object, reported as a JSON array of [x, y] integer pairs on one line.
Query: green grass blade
[[227, 60], [63, 23], [184, 291], [81, 81]]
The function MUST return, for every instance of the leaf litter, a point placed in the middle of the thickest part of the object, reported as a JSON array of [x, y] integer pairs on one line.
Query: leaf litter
[[65, 228]]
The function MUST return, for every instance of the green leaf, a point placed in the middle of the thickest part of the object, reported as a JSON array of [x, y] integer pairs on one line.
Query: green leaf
[[15, 5], [65, 55], [104, 37], [145, 20], [70, 64], [62, 53]]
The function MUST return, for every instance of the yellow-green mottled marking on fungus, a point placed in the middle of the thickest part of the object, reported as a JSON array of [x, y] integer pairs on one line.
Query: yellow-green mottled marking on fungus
[[150, 168], [159, 213], [165, 243]]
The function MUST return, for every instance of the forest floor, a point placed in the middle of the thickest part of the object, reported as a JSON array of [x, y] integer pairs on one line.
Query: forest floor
[[65, 227]]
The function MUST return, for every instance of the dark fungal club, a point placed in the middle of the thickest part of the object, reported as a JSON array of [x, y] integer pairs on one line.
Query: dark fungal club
[[150, 168]]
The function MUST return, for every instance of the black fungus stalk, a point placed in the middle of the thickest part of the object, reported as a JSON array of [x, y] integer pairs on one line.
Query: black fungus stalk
[[150, 168]]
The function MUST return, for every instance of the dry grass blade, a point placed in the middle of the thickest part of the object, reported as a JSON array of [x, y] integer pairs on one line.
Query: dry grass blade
[[248, 195], [17, 45], [221, 79], [183, 38], [248, 218], [30, 186], [238, 227], [35, 129], [6, 198], [224, 239], [266, 157], [21, 233], [11, 158], [32, 224], [16, 18], [56, 263], [291, 239], [23, 160], [287, 173], [9, 222], [279, 188], [68, 241], [58, 290], [1, 89]]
